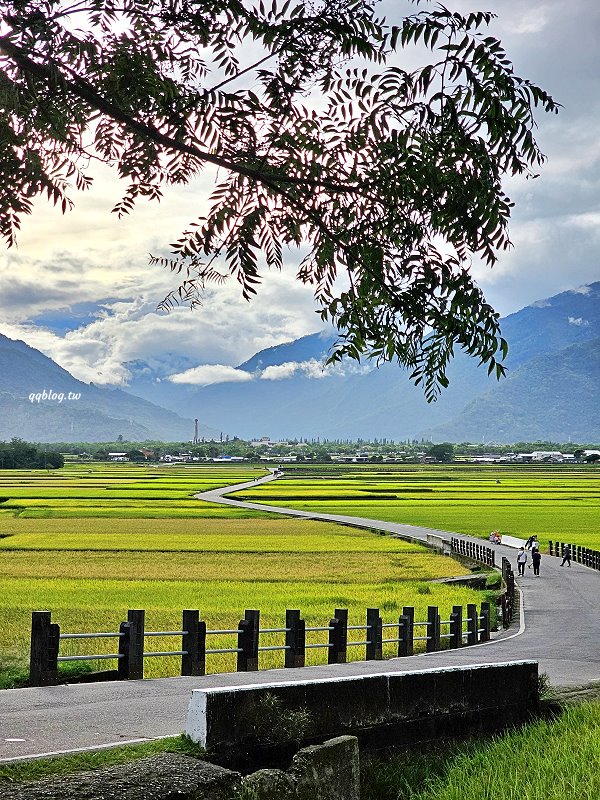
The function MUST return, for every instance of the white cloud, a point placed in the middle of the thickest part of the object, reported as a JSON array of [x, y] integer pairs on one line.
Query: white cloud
[[579, 321], [311, 369], [581, 290], [531, 20], [207, 374]]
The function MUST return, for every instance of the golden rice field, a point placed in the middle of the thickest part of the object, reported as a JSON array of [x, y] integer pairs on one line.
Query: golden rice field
[[88, 571]]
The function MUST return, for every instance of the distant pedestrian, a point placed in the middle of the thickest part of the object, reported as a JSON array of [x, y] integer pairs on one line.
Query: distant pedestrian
[[521, 561], [535, 545], [566, 556], [536, 557], [493, 537], [528, 543]]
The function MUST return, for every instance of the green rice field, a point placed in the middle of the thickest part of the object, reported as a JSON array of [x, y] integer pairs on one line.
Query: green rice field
[[118, 490], [558, 503]]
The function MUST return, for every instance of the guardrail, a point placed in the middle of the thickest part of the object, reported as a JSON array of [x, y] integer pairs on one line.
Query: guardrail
[[581, 555], [477, 552], [459, 630]]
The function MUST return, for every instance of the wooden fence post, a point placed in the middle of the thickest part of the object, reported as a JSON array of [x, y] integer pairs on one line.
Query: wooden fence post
[[338, 637], [403, 635], [374, 648], [247, 658], [409, 611], [193, 643], [136, 617], [456, 626], [472, 623], [433, 630], [295, 639], [43, 664], [485, 623], [131, 646], [124, 650]]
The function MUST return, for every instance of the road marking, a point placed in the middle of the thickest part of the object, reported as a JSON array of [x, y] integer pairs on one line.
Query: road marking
[[29, 757]]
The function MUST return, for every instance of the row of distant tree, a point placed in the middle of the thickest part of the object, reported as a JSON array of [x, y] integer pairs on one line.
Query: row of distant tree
[[18, 454]]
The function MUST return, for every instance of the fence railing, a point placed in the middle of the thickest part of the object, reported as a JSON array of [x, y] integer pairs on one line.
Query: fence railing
[[486, 555], [507, 598], [581, 555], [477, 552], [461, 629]]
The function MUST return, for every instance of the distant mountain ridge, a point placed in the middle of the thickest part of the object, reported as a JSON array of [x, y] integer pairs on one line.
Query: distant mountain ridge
[[552, 391], [95, 414], [552, 381]]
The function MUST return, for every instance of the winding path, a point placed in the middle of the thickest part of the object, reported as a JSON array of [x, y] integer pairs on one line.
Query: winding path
[[559, 627]]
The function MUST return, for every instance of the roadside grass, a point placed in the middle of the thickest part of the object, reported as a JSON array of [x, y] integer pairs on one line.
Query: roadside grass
[[546, 760], [26, 771]]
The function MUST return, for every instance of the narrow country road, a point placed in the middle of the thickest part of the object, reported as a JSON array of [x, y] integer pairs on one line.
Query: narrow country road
[[559, 627]]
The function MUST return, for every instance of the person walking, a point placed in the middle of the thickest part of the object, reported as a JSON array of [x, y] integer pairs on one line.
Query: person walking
[[566, 556], [536, 557], [521, 561]]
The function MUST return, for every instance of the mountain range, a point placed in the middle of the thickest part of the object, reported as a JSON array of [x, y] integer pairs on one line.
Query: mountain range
[[551, 392], [41, 401]]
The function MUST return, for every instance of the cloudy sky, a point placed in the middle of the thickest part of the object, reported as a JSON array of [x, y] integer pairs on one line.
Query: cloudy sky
[[79, 287]]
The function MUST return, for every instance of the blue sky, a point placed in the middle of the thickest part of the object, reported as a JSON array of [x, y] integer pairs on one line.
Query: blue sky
[[79, 287]]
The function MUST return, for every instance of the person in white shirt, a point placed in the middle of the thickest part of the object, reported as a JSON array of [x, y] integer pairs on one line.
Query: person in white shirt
[[521, 561]]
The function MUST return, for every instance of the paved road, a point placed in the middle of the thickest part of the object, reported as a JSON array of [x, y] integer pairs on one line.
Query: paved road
[[560, 629]]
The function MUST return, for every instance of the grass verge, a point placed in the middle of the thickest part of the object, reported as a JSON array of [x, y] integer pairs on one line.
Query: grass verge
[[25, 771]]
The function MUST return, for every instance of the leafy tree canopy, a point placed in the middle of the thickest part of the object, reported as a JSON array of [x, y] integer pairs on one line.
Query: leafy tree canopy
[[443, 452], [390, 179], [18, 454]]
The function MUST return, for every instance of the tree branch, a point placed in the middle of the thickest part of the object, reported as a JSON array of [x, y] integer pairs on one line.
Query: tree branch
[[85, 91]]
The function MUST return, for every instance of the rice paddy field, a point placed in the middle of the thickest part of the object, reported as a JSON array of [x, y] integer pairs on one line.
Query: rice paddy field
[[88, 543], [117, 490], [555, 502]]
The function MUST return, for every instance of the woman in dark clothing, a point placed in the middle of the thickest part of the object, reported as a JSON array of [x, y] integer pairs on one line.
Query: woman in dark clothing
[[536, 557]]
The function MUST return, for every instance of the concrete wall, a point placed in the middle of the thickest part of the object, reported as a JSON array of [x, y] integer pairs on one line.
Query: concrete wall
[[382, 710]]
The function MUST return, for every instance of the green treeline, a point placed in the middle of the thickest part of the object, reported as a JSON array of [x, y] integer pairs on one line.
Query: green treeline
[[18, 454]]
